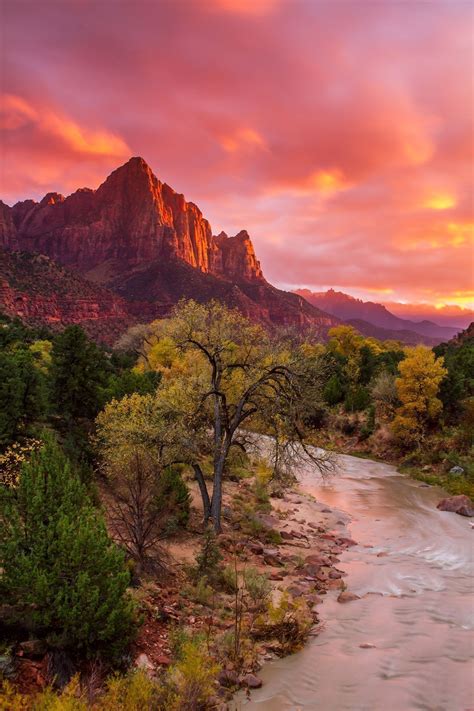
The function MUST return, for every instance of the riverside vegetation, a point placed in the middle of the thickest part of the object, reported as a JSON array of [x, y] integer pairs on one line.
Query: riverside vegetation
[[150, 557]]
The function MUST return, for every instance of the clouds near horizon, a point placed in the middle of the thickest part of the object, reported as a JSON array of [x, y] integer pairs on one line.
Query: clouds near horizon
[[338, 133]]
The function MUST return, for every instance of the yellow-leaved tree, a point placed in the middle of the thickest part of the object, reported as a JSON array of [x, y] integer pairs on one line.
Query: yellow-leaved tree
[[417, 387], [219, 374]]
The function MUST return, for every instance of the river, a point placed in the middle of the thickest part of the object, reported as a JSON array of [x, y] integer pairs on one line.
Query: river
[[413, 569]]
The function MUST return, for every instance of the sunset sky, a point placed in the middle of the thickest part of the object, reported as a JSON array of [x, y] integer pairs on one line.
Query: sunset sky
[[338, 133]]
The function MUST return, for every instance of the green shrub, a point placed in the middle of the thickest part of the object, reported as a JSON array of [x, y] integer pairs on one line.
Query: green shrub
[[133, 692], [333, 392], [230, 579], [60, 569], [348, 427], [173, 498], [369, 427], [289, 622], [190, 682], [208, 560], [357, 399], [257, 586], [201, 592]]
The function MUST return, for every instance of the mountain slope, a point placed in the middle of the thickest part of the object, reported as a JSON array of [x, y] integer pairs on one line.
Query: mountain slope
[[346, 307], [139, 238], [40, 292]]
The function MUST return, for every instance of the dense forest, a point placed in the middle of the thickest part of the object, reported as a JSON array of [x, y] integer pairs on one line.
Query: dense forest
[[109, 457]]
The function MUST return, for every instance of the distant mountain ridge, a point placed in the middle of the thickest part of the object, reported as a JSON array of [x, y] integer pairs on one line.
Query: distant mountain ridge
[[447, 315], [349, 308], [138, 238]]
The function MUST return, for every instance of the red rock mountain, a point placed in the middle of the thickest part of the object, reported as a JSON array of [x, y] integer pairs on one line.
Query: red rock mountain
[[138, 238]]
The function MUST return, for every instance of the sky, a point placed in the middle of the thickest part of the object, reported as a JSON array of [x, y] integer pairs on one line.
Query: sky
[[338, 133]]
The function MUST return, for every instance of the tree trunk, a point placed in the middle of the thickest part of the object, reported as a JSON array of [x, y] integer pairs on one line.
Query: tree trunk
[[216, 503], [206, 502]]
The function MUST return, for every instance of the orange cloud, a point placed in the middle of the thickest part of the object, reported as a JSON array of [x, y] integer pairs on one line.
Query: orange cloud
[[440, 201], [247, 7], [327, 181], [319, 183], [242, 139], [460, 233], [16, 113]]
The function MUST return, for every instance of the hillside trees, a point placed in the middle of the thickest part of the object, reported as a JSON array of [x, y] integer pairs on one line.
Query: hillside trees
[[355, 363], [459, 381]]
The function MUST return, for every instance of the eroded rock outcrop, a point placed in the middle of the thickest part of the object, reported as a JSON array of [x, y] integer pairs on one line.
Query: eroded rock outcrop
[[141, 239]]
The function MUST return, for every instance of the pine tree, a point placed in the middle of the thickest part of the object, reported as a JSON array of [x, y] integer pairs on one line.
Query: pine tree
[[79, 370], [333, 391], [60, 570]]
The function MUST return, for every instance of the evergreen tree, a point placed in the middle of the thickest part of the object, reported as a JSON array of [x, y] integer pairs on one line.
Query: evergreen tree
[[60, 571], [333, 391], [10, 398], [79, 371], [357, 399], [23, 395]]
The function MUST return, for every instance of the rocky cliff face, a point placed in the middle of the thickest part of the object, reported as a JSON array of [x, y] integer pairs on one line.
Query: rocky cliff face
[[40, 292], [142, 240], [131, 219], [8, 236]]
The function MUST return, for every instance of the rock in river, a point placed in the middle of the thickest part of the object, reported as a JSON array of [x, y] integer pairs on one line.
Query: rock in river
[[457, 504], [251, 681], [347, 596]]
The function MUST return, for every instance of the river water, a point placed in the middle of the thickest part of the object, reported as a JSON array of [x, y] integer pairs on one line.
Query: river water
[[416, 606]]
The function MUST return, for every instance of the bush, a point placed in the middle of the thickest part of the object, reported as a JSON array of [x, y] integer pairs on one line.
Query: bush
[[369, 426], [333, 392], [356, 400], [209, 560], [132, 692], [257, 586], [201, 592], [261, 486], [60, 570], [173, 498], [384, 393], [230, 581], [348, 427], [289, 622], [190, 682]]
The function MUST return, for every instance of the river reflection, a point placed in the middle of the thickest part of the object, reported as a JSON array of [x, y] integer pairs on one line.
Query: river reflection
[[417, 609]]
